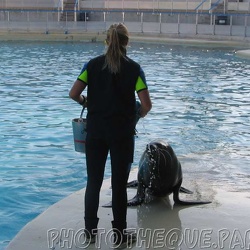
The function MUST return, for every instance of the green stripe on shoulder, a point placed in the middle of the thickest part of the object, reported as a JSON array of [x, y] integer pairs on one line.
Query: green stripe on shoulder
[[84, 76], [140, 85]]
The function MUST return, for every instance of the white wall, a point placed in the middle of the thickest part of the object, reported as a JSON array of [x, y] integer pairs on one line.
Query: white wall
[[139, 4], [244, 6], [22, 4]]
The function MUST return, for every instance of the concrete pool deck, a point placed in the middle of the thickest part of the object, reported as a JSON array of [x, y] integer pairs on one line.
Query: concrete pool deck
[[243, 53], [223, 224]]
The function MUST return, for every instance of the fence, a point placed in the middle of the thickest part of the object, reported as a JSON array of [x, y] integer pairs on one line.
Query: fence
[[188, 24]]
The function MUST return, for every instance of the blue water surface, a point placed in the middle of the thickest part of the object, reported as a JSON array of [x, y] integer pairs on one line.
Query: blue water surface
[[201, 106]]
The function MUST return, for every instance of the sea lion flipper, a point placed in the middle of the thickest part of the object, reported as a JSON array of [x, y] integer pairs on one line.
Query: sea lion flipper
[[185, 190], [135, 201], [132, 184], [139, 197], [176, 191], [180, 202], [108, 204]]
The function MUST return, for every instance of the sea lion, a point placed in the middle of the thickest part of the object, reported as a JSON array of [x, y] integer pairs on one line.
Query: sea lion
[[159, 174]]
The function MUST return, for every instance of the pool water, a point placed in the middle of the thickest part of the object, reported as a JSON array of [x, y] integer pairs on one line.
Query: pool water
[[201, 106]]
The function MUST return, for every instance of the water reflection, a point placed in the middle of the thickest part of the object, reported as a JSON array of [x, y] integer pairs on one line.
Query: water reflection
[[159, 225]]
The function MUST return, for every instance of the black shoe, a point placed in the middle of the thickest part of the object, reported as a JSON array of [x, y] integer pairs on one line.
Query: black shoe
[[126, 240], [90, 236]]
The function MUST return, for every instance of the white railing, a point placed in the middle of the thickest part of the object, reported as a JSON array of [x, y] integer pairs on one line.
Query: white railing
[[186, 24], [60, 7], [76, 9]]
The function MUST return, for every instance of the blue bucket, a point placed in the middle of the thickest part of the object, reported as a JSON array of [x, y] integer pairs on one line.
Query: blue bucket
[[79, 126]]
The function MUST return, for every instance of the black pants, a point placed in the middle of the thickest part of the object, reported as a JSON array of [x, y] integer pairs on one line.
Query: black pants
[[121, 154]]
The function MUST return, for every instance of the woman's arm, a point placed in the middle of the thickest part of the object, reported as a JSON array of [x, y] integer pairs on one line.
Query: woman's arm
[[145, 100], [76, 91]]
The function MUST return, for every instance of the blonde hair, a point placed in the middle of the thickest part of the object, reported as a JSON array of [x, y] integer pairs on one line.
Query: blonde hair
[[117, 41]]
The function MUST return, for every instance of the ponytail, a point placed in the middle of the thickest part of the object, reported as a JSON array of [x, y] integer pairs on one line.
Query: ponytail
[[117, 40]]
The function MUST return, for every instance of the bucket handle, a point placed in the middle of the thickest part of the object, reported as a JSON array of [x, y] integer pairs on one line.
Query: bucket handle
[[82, 112]]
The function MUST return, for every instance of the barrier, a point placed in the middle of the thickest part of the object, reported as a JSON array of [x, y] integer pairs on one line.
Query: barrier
[[98, 21]]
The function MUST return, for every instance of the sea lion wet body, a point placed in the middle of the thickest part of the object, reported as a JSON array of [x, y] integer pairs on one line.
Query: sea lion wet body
[[159, 174]]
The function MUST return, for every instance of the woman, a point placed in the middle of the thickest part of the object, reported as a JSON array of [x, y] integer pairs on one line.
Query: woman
[[111, 80]]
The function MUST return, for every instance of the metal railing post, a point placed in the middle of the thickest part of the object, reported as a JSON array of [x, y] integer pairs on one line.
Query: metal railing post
[[245, 26], [28, 20], [59, 9], [160, 21], [141, 22], [85, 20], [231, 25], [47, 21], [104, 20], [178, 25], [66, 23], [75, 18], [8, 20], [196, 23], [213, 24]]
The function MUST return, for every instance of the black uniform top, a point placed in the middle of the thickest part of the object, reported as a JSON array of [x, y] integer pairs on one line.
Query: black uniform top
[[111, 97]]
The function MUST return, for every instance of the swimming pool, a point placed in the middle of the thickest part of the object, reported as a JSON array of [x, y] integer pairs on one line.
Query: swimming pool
[[200, 105]]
